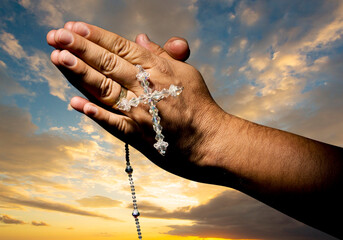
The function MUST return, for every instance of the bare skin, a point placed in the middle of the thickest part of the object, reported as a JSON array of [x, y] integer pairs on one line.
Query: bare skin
[[296, 175]]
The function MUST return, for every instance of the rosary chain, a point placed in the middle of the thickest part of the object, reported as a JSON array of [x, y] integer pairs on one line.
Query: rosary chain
[[129, 170]]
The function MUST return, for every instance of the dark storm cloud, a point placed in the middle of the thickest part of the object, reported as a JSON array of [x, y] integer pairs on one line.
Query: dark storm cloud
[[237, 216]]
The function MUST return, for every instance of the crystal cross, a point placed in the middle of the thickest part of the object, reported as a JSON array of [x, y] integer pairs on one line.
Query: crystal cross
[[151, 98]]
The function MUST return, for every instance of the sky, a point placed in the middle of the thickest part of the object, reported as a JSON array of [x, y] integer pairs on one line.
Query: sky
[[277, 63]]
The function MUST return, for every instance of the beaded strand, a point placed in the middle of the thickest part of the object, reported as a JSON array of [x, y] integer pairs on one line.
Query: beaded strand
[[129, 170]]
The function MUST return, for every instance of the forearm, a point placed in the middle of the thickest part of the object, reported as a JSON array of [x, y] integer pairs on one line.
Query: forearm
[[298, 176]]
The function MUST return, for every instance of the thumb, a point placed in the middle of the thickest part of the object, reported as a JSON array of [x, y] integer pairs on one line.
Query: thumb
[[175, 48]]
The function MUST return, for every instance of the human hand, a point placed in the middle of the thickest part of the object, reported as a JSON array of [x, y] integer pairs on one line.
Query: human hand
[[99, 63]]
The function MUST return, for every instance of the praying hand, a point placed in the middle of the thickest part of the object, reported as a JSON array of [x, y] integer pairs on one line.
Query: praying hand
[[296, 175]]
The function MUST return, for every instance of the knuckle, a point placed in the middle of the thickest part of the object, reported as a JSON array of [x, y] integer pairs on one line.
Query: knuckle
[[81, 47], [122, 47], [121, 125], [83, 71], [163, 66], [108, 62], [106, 89]]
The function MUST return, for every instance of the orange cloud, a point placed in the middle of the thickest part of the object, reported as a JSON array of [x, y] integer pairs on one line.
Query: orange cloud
[[98, 202], [10, 220], [39, 224], [50, 205]]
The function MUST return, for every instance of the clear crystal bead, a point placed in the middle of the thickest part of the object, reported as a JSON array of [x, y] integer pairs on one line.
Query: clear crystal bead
[[156, 119], [165, 92], [159, 136], [144, 98], [134, 102], [161, 146], [157, 128], [175, 90], [124, 105], [147, 90], [157, 96]]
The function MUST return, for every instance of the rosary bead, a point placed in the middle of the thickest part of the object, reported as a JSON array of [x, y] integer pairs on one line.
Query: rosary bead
[[157, 128], [128, 169], [135, 213]]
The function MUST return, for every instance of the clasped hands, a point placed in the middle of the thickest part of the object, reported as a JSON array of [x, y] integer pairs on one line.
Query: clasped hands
[[99, 63]]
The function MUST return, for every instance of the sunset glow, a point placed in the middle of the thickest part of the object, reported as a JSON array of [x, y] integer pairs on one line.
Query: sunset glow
[[277, 63]]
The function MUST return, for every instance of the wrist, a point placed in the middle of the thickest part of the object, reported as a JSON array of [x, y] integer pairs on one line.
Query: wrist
[[217, 148]]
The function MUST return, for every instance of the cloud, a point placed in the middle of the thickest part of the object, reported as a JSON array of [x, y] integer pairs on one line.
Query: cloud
[[10, 220], [249, 17], [39, 224], [9, 86], [215, 50], [39, 65], [20, 147], [12, 196], [98, 202], [11, 45], [195, 45], [152, 17], [155, 18], [285, 76], [232, 215], [56, 128], [43, 69], [54, 13]]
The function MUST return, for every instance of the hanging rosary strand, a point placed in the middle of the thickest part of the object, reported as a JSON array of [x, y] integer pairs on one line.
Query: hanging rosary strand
[[150, 98], [129, 170]]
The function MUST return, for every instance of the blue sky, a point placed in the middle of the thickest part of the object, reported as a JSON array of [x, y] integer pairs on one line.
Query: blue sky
[[278, 63]]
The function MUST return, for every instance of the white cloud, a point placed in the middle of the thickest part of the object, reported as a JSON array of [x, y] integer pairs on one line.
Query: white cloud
[[215, 50], [239, 44], [232, 16], [54, 13], [195, 45], [39, 65], [3, 64], [56, 129], [285, 75], [73, 128], [11, 45], [327, 34], [249, 16], [243, 43]]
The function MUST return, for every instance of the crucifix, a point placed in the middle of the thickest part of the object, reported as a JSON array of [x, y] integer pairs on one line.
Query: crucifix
[[151, 98]]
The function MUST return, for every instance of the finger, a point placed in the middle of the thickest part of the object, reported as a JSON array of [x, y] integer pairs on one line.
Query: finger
[[50, 38], [118, 125], [99, 58], [144, 41], [89, 81], [176, 48], [114, 43]]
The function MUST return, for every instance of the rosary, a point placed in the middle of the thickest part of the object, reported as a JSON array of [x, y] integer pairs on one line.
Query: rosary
[[151, 98]]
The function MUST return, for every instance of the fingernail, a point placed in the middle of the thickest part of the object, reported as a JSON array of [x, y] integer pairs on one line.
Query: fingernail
[[81, 29], [179, 43], [66, 37], [145, 38], [68, 59], [90, 110]]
